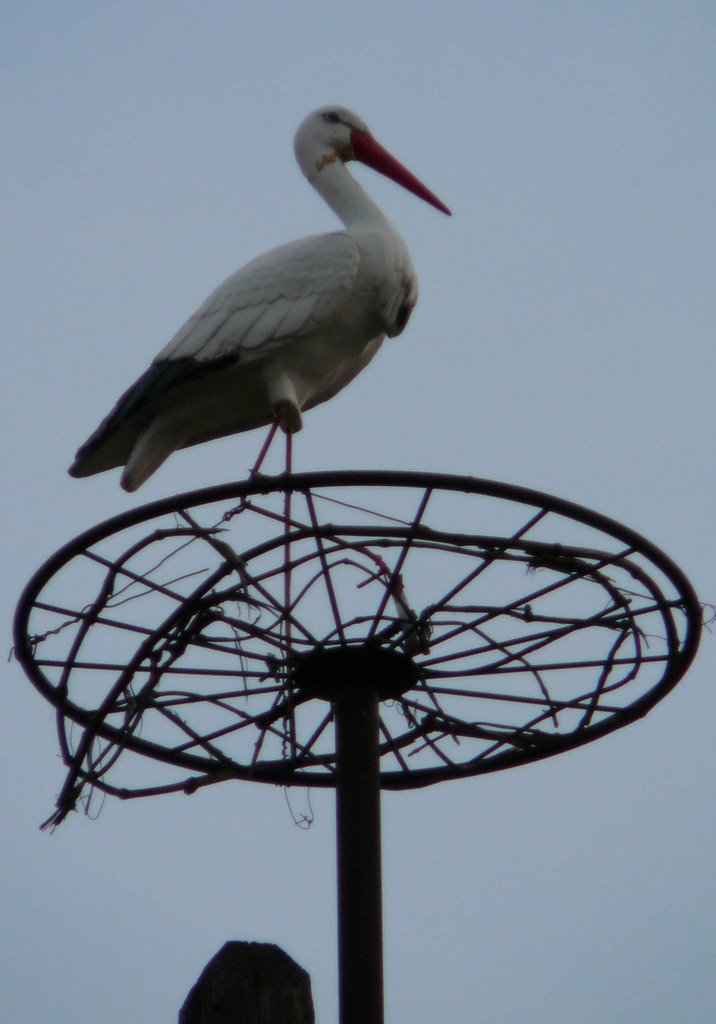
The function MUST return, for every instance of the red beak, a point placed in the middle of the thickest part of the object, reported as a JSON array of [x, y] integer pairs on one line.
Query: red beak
[[370, 152]]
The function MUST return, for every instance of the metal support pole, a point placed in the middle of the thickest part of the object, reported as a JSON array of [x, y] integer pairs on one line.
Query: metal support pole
[[360, 910]]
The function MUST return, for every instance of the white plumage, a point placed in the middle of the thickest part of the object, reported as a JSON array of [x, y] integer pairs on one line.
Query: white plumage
[[285, 332]]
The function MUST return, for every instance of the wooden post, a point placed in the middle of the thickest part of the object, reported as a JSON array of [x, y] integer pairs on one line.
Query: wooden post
[[250, 983]]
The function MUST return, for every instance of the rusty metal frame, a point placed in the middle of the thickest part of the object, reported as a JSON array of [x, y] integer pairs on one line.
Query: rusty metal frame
[[460, 649]]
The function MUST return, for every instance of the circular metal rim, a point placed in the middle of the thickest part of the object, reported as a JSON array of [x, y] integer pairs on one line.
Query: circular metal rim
[[275, 773]]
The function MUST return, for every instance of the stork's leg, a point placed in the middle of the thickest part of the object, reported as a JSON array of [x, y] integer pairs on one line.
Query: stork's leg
[[288, 417], [289, 452], [264, 449], [285, 414]]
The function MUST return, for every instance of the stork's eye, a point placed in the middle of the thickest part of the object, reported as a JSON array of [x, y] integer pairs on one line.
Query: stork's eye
[[331, 116]]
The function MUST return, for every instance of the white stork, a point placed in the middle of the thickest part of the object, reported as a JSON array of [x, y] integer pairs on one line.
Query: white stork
[[285, 332]]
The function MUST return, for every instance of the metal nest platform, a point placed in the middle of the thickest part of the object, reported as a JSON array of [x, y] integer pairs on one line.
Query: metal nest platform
[[208, 636]]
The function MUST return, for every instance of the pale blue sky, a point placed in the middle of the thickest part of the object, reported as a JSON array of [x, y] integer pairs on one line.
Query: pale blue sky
[[563, 340]]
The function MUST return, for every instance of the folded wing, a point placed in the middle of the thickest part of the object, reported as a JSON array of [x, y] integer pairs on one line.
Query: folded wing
[[273, 302]]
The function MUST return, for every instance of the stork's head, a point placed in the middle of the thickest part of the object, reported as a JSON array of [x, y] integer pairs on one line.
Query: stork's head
[[336, 133]]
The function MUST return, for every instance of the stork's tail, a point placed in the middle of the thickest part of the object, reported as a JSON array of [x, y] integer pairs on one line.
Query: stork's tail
[[152, 448]]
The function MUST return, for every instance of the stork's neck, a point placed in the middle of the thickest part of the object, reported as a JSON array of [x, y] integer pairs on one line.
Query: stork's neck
[[348, 200]]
